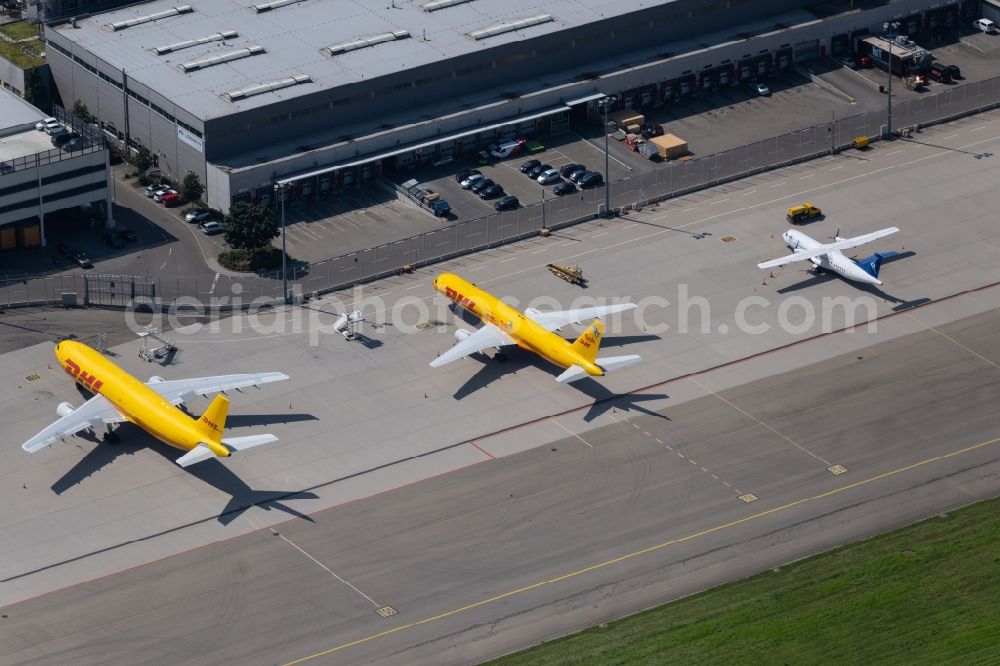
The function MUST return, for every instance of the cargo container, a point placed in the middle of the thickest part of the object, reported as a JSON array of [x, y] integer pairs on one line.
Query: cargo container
[[671, 147]]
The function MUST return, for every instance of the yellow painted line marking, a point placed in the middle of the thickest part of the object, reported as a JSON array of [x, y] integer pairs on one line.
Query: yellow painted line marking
[[572, 433], [658, 440], [748, 497], [325, 568], [644, 551]]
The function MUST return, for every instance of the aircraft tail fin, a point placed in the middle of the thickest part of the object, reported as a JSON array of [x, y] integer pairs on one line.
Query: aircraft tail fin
[[587, 344], [609, 363], [213, 421], [873, 264]]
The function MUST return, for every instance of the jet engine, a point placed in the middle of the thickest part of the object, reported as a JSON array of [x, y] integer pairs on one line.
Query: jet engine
[[64, 409], [461, 334], [156, 379]]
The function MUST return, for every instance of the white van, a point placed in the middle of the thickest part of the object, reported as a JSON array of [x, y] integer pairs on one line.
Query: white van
[[985, 25], [506, 149]]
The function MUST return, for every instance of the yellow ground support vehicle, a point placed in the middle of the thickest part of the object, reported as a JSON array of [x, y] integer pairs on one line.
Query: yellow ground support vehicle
[[803, 211]]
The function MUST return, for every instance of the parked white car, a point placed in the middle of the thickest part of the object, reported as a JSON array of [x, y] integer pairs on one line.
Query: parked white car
[[162, 192], [210, 227], [47, 124], [985, 25]]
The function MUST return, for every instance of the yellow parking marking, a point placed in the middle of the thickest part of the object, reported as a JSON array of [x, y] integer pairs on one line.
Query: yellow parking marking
[[642, 551]]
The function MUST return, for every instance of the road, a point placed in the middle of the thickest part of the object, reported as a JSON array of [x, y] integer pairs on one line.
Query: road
[[512, 551]]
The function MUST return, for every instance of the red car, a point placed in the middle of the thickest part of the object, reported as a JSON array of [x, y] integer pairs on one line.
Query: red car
[[865, 62], [172, 200]]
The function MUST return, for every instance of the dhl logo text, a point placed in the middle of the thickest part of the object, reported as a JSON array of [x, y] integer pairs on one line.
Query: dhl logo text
[[210, 424], [90, 381], [459, 298]]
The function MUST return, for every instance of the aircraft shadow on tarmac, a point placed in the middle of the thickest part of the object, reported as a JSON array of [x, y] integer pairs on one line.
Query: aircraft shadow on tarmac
[[517, 359], [821, 278], [213, 472]]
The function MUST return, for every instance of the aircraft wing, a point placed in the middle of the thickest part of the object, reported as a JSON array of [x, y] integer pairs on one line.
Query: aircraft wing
[[556, 319], [485, 338], [829, 247], [92, 414], [177, 391]]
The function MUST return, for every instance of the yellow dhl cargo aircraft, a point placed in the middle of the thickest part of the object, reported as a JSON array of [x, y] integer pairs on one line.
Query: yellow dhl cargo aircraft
[[531, 330], [152, 406]]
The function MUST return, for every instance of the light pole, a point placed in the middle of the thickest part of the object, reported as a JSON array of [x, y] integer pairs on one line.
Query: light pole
[[604, 104], [543, 205], [890, 29], [279, 191]]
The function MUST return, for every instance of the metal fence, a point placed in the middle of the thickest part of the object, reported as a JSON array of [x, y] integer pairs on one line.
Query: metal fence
[[672, 179]]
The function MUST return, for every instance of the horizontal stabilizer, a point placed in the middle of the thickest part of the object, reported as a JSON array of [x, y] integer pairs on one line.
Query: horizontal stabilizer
[[571, 374], [195, 455], [617, 362], [248, 442]]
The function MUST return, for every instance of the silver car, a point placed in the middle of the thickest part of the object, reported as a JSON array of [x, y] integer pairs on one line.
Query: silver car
[[471, 180], [550, 176]]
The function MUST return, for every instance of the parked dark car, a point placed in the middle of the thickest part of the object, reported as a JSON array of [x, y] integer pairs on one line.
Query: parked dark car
[[490, 192], [507, 203], [567, 169], [529, 165], [82, 260], [577, 175], [591, 179], [126, 234], [564, 188], [939, 73], [76, 143], [112, 240], [65, 249], [537, 171], [481, 185], [60, 139], [461, 175]]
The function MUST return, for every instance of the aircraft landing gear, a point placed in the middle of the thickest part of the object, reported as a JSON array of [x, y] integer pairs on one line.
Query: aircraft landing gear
[[110, 436], [500, 356]]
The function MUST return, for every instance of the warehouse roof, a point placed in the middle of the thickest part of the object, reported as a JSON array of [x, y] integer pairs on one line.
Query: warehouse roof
[[214, 57]]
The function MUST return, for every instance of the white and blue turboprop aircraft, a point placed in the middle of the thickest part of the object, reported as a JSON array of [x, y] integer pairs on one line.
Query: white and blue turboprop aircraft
[[828, 257]]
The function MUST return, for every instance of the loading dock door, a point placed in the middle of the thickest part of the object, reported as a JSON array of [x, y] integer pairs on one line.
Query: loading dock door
[[807, 50]]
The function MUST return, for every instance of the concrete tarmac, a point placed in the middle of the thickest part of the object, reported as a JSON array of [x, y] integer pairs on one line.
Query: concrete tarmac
[[505, 554]]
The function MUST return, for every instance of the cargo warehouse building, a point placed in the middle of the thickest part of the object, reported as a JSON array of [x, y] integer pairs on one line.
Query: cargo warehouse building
[[37, 179], [321, 95]]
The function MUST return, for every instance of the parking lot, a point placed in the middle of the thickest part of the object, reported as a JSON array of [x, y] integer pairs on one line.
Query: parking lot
[[328, 225], [559, 150]]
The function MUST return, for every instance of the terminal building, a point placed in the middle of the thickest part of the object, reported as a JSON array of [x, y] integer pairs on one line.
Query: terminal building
[[38, 180], [318, 96]]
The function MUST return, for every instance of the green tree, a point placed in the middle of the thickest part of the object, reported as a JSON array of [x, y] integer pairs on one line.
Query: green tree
[[249, 227], [142, 159], [191, 187], [81, 111], [34, 91]]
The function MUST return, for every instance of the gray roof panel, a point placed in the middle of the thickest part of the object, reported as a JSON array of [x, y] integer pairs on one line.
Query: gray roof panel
[[294, 36]]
